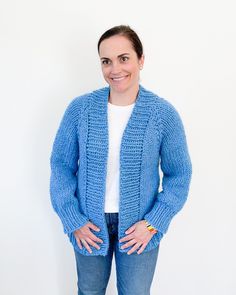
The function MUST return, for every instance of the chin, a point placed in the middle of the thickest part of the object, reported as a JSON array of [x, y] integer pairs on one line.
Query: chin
[[120, 88]]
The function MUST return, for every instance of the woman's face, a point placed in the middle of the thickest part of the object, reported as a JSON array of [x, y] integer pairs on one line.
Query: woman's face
[[120, 64]]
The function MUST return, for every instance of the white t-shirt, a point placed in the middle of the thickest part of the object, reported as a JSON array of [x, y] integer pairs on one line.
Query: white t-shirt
[[118, 117]]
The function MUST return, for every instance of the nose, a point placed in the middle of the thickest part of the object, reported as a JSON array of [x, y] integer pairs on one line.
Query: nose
[[116, 68]]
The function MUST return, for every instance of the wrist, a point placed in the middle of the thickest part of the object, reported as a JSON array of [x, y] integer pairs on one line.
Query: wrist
[[150, 227]]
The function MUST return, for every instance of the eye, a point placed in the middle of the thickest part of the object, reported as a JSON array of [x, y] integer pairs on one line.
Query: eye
[[124, 58], [105, 61]]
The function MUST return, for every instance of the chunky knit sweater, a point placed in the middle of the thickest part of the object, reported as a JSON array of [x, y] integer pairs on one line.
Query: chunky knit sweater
[[154, 136]]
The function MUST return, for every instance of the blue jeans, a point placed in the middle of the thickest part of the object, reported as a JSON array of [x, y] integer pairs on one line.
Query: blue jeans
[[134, 272]]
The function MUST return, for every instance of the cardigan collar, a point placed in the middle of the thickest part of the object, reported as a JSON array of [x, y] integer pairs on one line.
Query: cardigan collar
[[101, 96]]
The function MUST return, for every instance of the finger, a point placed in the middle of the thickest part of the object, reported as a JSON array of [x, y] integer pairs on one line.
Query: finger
[[142, 248], [126, 238], [86, 245], [130, 243], [79, 243], [135, 247], [91, 242], [93, 226], [93, 237]]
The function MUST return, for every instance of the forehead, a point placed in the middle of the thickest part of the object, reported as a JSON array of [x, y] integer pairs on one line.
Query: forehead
[[115, 46]]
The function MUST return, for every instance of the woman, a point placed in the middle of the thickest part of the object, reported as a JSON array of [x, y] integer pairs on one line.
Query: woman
[[105, 171]]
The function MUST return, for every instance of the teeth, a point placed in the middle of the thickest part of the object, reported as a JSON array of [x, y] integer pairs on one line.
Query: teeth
[[118, 79]]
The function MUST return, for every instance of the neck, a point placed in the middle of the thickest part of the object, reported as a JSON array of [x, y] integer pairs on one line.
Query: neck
[[124, 98]]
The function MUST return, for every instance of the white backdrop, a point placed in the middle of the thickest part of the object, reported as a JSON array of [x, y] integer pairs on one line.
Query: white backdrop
[[48, 56]]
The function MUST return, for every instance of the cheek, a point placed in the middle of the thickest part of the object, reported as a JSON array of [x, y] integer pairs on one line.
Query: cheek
[[104, 73], [132, 69]]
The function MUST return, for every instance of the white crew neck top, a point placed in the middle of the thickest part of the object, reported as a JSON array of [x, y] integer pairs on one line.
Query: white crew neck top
[[118, 117]]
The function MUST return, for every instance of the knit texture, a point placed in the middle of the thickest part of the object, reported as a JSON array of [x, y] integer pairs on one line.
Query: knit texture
[[154, 135]]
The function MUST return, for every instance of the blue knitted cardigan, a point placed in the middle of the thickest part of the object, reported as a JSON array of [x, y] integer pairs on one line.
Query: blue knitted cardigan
[[153, 135]]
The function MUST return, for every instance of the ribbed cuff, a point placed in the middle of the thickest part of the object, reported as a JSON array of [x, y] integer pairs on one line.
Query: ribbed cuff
[[72, 219], [160, 217]]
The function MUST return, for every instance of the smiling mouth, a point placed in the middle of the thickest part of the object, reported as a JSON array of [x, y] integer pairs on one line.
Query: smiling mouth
[[119, 78]]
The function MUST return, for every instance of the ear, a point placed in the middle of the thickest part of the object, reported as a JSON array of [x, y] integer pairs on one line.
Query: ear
[[141, 61]]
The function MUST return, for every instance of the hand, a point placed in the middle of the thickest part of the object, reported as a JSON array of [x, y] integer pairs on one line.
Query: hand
[[137, 235], [84, 235]]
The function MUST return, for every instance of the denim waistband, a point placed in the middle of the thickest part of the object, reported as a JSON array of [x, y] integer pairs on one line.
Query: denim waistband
[[112, 217]]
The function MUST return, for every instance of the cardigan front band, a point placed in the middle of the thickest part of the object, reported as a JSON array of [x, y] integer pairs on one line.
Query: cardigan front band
[[154, 137]]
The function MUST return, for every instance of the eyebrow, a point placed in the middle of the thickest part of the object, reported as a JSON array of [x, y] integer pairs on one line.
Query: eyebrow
[[118, 55]]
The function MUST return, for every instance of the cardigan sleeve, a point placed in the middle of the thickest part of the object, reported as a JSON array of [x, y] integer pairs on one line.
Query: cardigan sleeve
[[64, 165], [176, 166]]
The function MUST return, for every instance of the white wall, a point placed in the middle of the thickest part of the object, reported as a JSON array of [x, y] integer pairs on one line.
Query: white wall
[[48, 56]]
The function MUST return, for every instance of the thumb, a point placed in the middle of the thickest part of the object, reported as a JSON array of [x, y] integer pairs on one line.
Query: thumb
[[130, 229], [94, 227]]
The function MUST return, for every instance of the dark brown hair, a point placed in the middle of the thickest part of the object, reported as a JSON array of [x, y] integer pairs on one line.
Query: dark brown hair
[[127, 32]]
